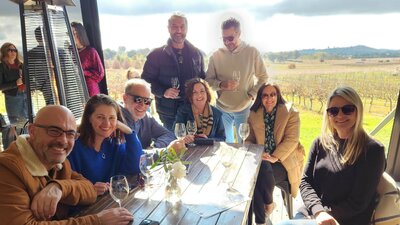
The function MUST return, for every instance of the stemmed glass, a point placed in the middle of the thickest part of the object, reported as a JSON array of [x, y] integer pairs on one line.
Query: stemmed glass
[[226, 160], [175, 82], [244, 131], [180, 130], [145, 163], [236, 76], [119, 188], [226, 157], [191, 129]]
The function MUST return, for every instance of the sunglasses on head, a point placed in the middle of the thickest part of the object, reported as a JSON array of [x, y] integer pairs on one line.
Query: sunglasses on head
[[229, 38], [139, 99], [12, 50], [271, 95], [346, 109]]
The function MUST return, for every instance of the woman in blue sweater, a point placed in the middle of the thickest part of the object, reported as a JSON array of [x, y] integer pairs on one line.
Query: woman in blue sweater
[[198, 108], [106, 146]]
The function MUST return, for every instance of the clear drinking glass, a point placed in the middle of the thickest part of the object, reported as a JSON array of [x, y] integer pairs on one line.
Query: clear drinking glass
[[175, 82], [226, 160], [180, 130], [226, 157], [236, 76], [244, 131], [191, 128], [119, 188], [145, 163]]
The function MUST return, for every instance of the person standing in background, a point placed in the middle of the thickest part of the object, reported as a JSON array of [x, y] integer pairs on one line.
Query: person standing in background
[[12, 84], [235, 92], [168, 68], [90, 60]]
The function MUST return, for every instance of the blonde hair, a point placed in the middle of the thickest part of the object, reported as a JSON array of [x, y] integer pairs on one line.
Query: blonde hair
[[356, 142]]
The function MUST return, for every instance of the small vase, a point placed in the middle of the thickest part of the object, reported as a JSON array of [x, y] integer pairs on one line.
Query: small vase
[[173, 191]]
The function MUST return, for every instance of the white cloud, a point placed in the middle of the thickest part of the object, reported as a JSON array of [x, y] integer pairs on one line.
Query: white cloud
[[281, 32]]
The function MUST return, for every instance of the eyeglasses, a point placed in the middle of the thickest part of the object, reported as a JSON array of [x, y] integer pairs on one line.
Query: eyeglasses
[[229, 38], [12, 50], [346, 109], [271, 95], [54, 131], [139, 99]]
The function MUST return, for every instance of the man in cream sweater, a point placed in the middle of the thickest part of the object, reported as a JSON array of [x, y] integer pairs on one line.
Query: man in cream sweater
[[235, 96]]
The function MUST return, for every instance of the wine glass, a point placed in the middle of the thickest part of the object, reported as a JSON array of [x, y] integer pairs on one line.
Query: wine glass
[[180, 130], [244, 131], [236, 76], [145, 163], [226, 160], [226, 155], [119, 188], [175, 82], [191, 129]]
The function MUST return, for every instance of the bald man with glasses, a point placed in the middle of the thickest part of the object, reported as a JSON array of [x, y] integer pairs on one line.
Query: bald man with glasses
[[137, 100], [37, 184]]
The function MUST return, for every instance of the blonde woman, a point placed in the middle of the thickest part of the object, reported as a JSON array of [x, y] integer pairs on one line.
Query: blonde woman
[[344, 166]]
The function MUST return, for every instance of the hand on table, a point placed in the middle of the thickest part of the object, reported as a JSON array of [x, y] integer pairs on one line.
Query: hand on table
[[101, 187], [324, 218], [115, 216], [44, 203], [177, 145], [188, 139]]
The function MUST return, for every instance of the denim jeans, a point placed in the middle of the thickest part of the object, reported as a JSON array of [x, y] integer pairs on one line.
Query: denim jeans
[[234, 118], [17, 108]]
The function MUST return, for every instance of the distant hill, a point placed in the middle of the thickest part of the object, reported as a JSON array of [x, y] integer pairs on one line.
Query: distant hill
[[359, 51]]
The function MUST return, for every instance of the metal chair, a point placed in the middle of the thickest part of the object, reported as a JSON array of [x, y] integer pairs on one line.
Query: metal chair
[[287, 197]]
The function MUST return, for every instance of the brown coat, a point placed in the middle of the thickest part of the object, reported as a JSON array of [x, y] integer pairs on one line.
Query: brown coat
[[22, 175], [287, 134]]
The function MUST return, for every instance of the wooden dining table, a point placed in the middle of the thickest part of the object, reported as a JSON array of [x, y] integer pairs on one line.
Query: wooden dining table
[[201, 189]]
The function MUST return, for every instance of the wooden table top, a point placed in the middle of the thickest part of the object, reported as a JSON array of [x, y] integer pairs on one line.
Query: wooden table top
[[205, 176]]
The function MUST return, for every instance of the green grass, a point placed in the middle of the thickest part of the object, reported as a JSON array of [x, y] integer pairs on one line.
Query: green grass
[[2, 104], [310, 127]]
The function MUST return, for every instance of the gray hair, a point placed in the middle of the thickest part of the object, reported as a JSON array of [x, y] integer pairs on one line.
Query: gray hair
[[134, 82], [177, 15]]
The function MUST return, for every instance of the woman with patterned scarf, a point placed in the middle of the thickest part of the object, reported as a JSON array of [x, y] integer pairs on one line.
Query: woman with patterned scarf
[[275, 124], [197, 108]]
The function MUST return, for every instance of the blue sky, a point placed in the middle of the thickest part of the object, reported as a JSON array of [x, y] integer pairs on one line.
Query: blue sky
[[273, 25]]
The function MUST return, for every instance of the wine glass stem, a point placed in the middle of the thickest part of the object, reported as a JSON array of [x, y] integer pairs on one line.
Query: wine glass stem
[[119, 203]]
